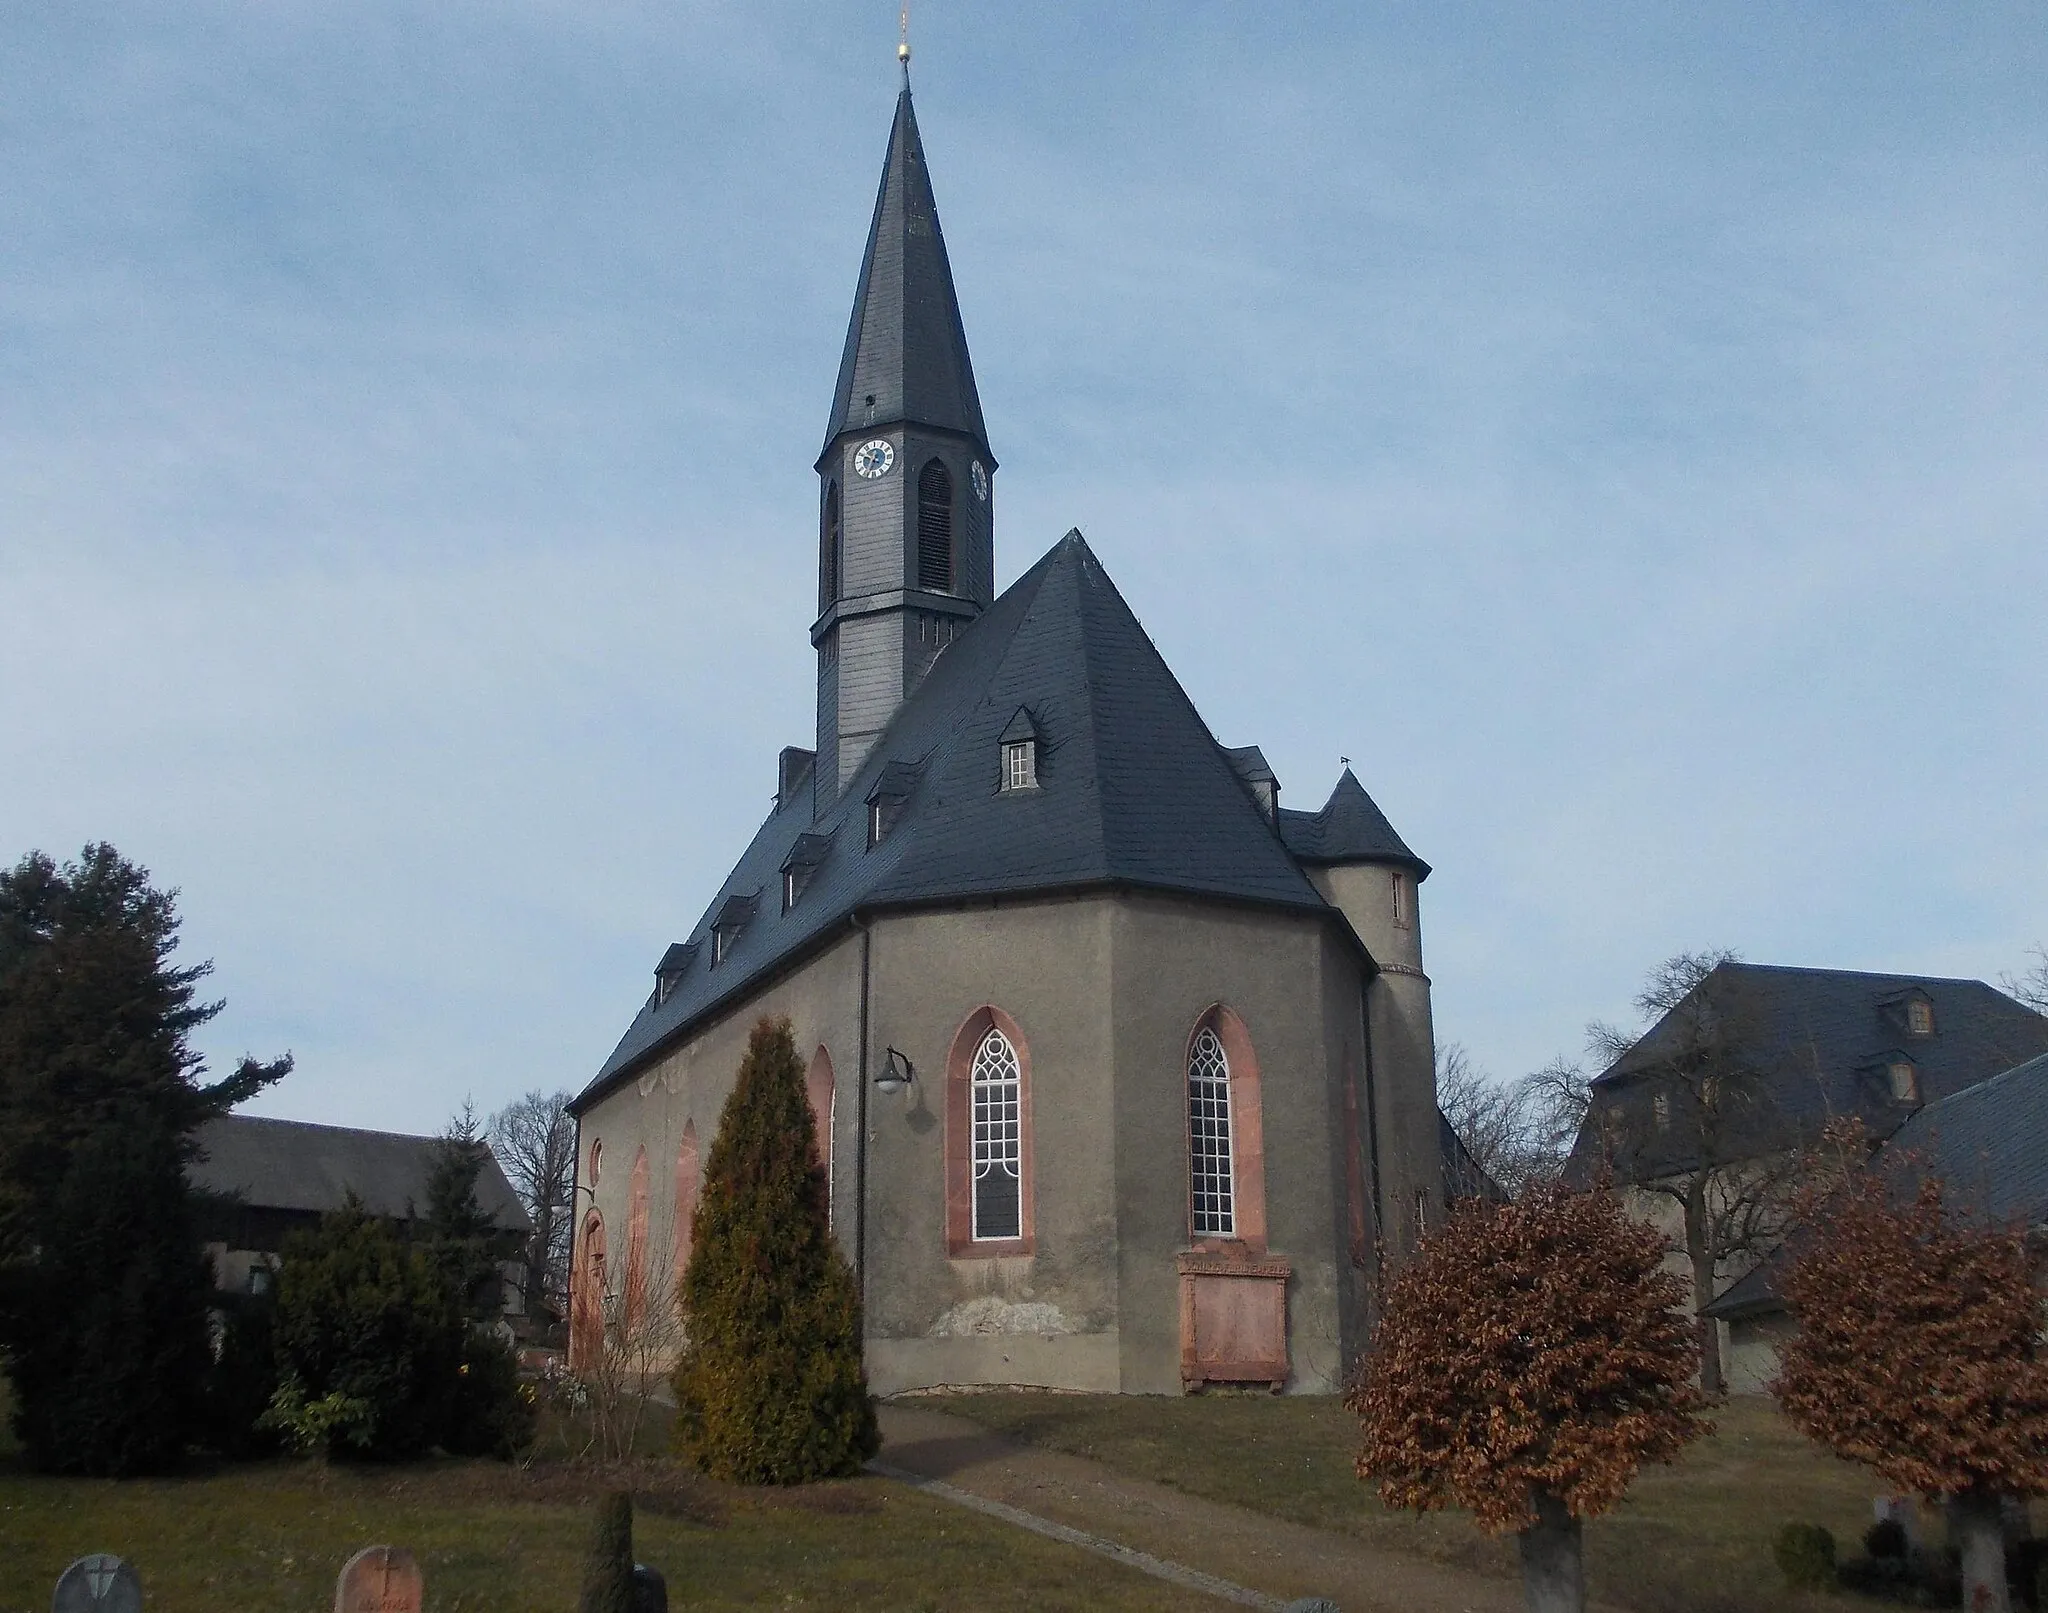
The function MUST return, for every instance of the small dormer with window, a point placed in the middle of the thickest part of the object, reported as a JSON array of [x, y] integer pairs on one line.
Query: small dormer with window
[[669, 973], [1903, 1078], [887, 799], [1018, 754], [1909, 1012], [801, 863], [734, 915]]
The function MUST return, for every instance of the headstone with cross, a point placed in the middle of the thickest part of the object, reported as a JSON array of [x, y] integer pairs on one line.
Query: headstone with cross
[[380, 1579], [101, 1583]]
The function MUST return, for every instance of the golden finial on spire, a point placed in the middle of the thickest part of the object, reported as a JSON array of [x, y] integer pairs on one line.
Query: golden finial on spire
[[903, 43]]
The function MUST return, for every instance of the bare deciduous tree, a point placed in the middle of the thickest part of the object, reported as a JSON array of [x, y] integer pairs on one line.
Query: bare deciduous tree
[[2031, 987], [534, 1140], [1690, 1116], [1497, 1121]]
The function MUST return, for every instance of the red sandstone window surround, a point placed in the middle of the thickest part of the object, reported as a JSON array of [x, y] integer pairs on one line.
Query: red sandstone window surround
[[989, 1191], [1220, 1037], [819, 1088], [586, 1296]]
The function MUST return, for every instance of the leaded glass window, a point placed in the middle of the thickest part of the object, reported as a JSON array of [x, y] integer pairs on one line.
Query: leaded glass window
[[997, 1092], [1215, 1213]]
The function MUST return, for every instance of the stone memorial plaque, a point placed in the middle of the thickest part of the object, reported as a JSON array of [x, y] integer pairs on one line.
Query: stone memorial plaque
[[380, 1579], [101, 1583]]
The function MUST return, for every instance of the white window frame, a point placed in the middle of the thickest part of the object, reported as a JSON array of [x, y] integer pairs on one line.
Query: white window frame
[[1020, 765], [721, 943], [1212, 1181], [789, 888], [995, 1106]]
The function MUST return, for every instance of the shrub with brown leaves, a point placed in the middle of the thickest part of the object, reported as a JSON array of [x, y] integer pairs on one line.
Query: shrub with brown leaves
[[1527, 1347], [1918, 1351]]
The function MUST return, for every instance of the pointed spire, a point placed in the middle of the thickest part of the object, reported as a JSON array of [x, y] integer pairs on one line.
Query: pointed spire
[[905, 347]]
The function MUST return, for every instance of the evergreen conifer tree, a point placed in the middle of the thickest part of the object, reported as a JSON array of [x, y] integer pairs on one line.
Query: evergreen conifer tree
[[369, 1340], [608, 1570], [770, 1388], [110, 1378], [459, 1235]]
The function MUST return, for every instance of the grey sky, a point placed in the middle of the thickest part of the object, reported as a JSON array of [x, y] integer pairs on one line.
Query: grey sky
[[1618, 429]]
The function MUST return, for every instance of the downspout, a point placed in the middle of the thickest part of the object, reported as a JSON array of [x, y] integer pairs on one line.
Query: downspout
[[1372, 1117], [860, 1191]]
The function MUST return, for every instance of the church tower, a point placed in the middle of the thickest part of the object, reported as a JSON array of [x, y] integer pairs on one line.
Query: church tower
[[906, 499]]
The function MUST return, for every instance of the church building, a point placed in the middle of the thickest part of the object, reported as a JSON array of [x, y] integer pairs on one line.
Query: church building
[[1123, 1072]]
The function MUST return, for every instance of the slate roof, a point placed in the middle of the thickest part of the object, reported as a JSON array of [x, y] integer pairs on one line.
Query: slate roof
[[1133, 791], [1987, 1143], [1821, 1040], [294, 1165], [1349, 828], [905, 345]]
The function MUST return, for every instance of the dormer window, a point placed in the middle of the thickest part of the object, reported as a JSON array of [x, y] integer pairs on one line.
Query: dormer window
[[668, 974], [886, 800], [802, 861], [725, 929], [1905, 1081], [1919, 1017], [1018, 745], [1660, 1110]]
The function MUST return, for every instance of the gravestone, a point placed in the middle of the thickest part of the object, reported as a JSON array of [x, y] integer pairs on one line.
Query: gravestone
[[650, 1590], [101, 1583], [379, 1579]]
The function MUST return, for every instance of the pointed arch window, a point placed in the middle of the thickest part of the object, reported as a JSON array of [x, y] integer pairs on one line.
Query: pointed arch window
[[1214, 1189], [997, 1097], [935, 528], [989, 1192], [830, 551]]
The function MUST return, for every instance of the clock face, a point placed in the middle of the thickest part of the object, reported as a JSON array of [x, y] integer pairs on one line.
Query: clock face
[[871, 460], [979, 477]]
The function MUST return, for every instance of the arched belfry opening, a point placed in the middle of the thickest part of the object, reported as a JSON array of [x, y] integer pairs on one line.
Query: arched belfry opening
[[831, 566], [935, 528]]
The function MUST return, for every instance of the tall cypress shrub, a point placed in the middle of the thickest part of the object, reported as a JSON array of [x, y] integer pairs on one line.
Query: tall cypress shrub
[[770, 1388], [110, 1361]]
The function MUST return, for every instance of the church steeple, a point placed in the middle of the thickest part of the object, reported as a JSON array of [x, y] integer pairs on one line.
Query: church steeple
[[906, 359], [906, 529]]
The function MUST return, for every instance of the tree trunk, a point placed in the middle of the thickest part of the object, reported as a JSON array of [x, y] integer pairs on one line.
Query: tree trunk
[[1701, 1257], [1553, 1569], [1976, 1524]]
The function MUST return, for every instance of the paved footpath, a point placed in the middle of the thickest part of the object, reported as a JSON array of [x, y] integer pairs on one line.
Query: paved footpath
[[1276, 1560]]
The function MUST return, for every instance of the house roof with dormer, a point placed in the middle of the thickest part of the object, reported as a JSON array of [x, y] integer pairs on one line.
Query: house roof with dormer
[[906, 359], [1820, 1043], [1133, 792]]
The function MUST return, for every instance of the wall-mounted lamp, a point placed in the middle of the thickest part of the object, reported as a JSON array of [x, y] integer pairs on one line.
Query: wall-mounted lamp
[[897, 1073]]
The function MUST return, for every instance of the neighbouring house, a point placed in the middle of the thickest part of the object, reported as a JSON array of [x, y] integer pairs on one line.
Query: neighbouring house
[[266, 1179], [1123, 1072], [1702, 1119], [1988, 1145]]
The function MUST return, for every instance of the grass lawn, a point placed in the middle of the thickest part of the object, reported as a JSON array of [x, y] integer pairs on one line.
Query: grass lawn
[[270, 1537], [1694, 1537]]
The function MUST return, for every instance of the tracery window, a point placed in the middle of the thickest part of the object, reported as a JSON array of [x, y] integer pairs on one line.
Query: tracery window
[[935, 528], [1215, 1214], [996, 1098]]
